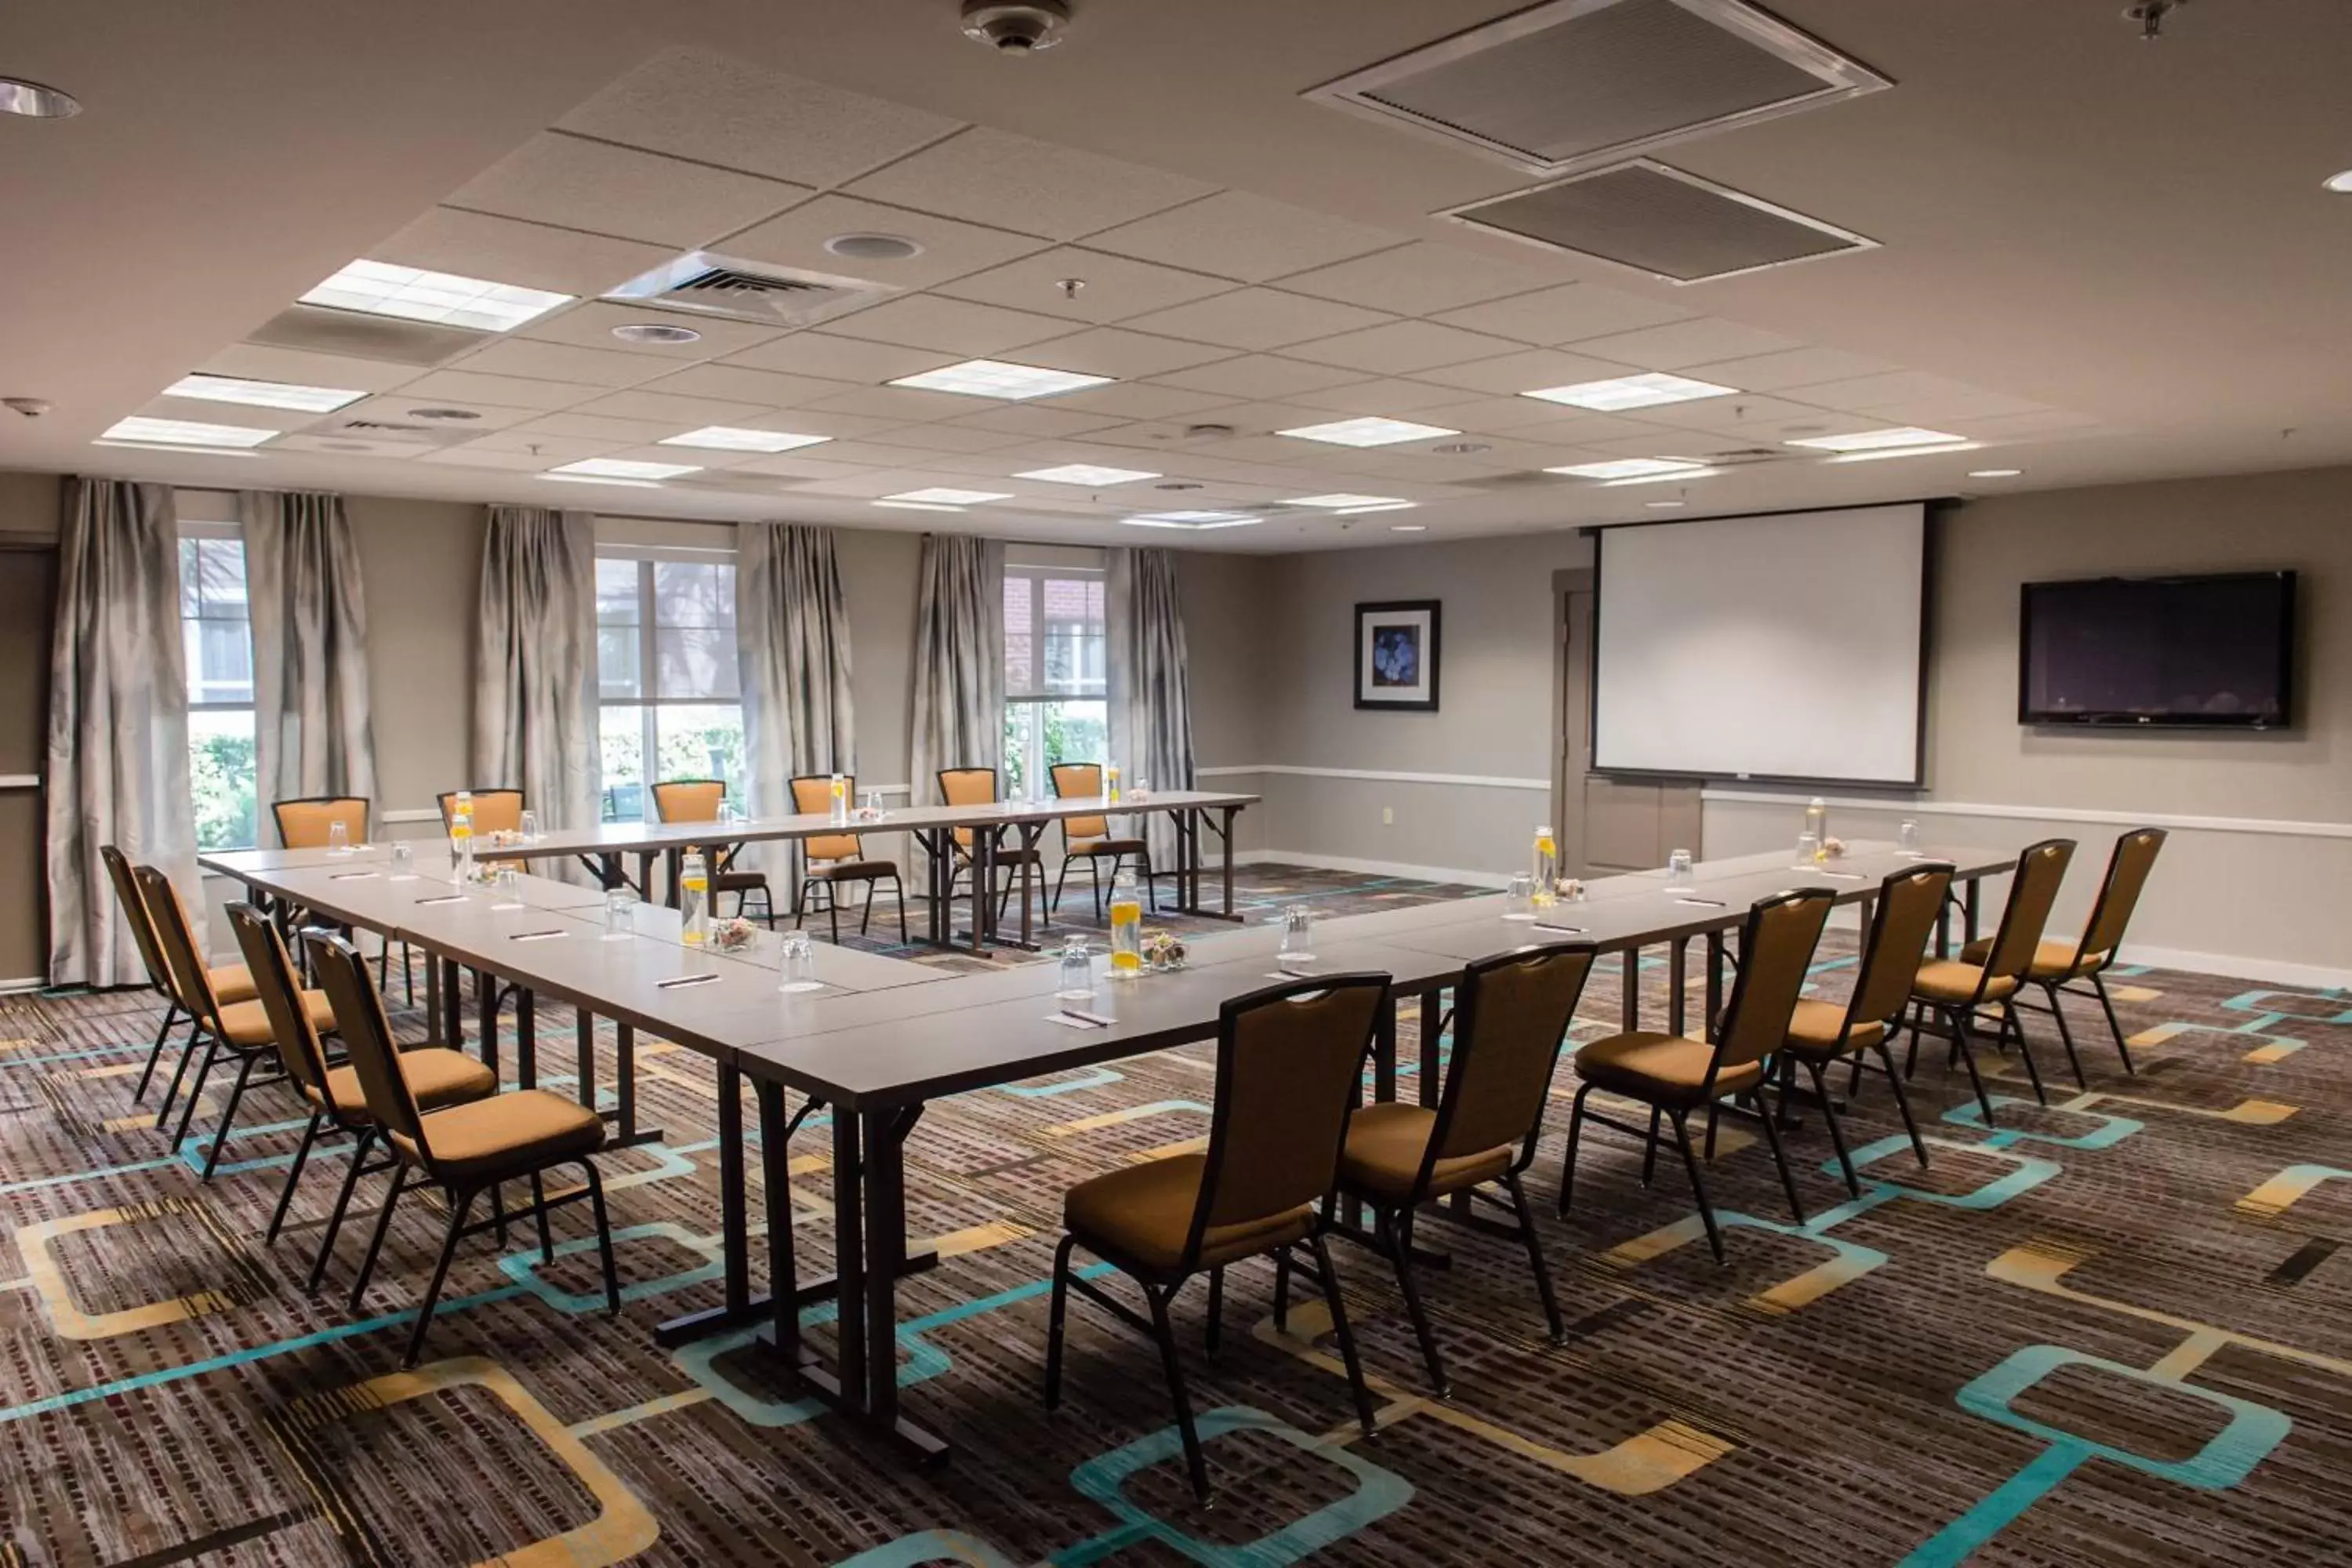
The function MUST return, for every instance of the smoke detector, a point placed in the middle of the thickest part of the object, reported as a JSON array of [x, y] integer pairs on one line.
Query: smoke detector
[[654, 332], [873, 246], [1020, 29]]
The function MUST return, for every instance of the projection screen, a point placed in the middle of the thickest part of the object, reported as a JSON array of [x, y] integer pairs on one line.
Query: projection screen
[[1785, 647]]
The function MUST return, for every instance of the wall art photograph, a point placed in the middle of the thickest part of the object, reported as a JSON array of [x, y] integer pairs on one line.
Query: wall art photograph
[[1396, 656]]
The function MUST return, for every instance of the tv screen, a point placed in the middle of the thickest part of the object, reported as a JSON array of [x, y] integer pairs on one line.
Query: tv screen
[[2186, 651]]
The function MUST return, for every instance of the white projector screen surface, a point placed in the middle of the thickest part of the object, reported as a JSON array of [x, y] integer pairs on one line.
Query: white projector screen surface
[[1762, 647]]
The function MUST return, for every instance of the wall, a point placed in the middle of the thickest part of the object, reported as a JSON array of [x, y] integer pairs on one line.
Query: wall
[[28, 527]]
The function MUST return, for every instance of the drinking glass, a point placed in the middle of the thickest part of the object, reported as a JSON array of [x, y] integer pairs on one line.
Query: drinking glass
[[799, 963], [404, 861], [1679, 876], [726, 814], [620, 912], [1519, 898], [1077, 982], [529, 827], [1297, 935], [1809, 851], [874, 805], [1141, 790], [338, 838], [508, 884], [1906, 838]]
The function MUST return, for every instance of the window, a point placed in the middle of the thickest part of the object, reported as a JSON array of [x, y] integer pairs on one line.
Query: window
[[1055, 674], [666, 674], [217, 634]]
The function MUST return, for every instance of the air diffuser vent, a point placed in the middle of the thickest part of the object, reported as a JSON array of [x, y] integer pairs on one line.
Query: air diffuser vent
[[713, 285], [326, 332], [1662, 221], [1572, 83]]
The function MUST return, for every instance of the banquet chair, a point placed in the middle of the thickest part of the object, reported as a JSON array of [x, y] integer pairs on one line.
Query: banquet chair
[[1088, 838], [977, 787], [304, 823], [831, 860], [1289, 1064], [497, 809], [698, 800], [230, 982], [1955, 990]]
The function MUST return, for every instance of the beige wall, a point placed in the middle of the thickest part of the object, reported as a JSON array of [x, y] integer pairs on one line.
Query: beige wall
[[28, 523]]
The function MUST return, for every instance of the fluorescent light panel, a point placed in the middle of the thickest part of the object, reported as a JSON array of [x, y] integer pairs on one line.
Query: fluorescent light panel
[[1874, 440], [997, 378], [624, 469], [947, 495], [140, 430], [1631, 469], [1649, 391], [413, 294], [1198, 521], [918, 506], [1087, 474], [594, 479], [1698, 473], [263, 394], [726, 438], [1883, 452], [1342, 501], [1372, 431]]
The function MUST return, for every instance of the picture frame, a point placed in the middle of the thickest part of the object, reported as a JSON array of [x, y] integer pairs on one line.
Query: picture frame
[[1397, 655]]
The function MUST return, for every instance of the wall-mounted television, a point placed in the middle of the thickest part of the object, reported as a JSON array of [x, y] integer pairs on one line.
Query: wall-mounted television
[[2143, 652]]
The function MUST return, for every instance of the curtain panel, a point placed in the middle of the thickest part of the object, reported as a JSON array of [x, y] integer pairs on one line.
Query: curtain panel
[[792, 630], [118, 742], [958, 708], [312, 731], [535, 663], [1150, 690]]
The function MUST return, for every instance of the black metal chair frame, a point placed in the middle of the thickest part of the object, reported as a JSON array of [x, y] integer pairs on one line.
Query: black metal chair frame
[[832, 885], [1094, 859], [1954, 1021]]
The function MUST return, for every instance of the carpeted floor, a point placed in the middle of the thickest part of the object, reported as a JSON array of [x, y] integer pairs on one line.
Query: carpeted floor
[[2114, 1331]]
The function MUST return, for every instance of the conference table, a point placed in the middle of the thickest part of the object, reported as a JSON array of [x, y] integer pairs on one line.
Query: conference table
[[933, 827], [875, 1045]]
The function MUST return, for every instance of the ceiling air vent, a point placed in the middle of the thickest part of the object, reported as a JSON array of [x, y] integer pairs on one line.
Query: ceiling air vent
[[711, 285], [1662, 221], [319, 329], [1573, 83]]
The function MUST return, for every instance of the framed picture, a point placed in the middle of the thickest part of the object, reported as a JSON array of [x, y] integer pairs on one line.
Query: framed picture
[[1396, 656]]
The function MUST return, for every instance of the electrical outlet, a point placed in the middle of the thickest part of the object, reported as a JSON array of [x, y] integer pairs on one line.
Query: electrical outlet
[[1388, 816]]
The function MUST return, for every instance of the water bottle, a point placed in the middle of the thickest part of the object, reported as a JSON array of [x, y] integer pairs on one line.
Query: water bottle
[[1547, 867], [1110, 783], [840, 799], [1126, 925], [693, 900], [461, 834]]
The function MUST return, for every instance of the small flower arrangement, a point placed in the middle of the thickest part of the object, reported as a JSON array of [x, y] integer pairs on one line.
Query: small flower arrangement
[[1163, 952], [1833, 849], [734, 935]]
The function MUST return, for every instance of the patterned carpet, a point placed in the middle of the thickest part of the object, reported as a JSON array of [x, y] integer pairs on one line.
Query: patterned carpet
[[2114, 1331]]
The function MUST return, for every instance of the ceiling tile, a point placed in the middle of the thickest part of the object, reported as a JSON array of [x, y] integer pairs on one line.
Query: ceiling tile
[[1038, 188], [856, 455], [1420, 279], [898, 405], [549, 449], [590, 324], [1139, 400], [1524, 372], [945, 436], [828, 421], [1391, 395], [1235, 235], [256, 361], [1037, 420], [1735, 413], [1679, 343], [697, 104], [1400, 347], [841, 359], [768, 388], [686, 413], [1117, 352], [1258, 376], [954, 326], [949, 248], [499, 391], [1916, 397], [561, 362], [1115, 286], [1791, 367], [349, 446], [1258, 319], [2048, 422], [504, 250], [1563, 314], [474, 457], [793, 465], [598, 188], [603, 428]]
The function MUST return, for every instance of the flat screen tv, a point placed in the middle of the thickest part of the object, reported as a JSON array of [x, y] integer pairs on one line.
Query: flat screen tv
[[2141, 652]]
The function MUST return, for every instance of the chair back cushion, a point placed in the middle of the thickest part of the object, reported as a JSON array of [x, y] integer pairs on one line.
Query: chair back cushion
[[967, 786], [813, 796], [303, 823], [272, 969], [191, 978], [1082, 780], [688, 800], [1776, 950], [1908, 903], [2032, 889], [2127, 871], [135, 911], [367, 1037], [496, 810], [1510, 1014]]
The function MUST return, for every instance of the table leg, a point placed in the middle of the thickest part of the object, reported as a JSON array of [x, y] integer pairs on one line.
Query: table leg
[[1433, 1013], [435, 1024], [849, 1253], [1678, 972], [1629, 1006], [1231, 812], [453, 1003], [776, 1179], [485, 992], [526, 1040], [583, 1055], [734, 1235], [625, 1077], [1970, 899], [1384, 1053], [984, 886], [1715, 956]]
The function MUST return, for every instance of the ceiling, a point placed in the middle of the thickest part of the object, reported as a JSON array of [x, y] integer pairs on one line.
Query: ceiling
[[2099, 260]]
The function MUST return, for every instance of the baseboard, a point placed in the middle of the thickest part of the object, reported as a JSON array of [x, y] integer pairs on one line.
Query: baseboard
[[2236, 966], [1375, 867], [11, 987]]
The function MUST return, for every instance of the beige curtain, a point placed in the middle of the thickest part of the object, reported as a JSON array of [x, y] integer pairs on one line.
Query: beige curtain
[[1151, 692], [792, 631], [958, 708], [311, 727], [118, 751], [535, 663]]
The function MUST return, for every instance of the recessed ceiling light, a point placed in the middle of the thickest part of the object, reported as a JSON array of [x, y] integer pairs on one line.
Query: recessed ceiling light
[[1632, 392], [624, 469], [1087, 474], [413, 294], [996, 378], [918, 506], [726, 438], [2340, 183], [444, 415], [1340, 501], [1408, 528], [873, 246], [263, 394], [18, 96], [655, 333], [1875, 440], [1994, 473], [1369, 432], [1662, 505], [1907, 452], [601, 479], [1697, 473], [1197, 520], [139, 429], [1629, 469], [947, 495]]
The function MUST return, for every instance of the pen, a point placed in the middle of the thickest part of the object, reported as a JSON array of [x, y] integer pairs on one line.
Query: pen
[[683, 980], [1703, 903]]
